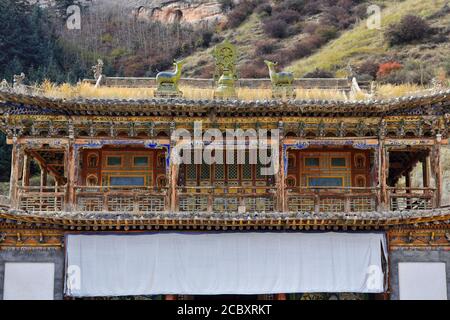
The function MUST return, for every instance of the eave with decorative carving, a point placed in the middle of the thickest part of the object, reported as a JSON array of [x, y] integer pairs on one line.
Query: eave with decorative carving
[[232, 221]]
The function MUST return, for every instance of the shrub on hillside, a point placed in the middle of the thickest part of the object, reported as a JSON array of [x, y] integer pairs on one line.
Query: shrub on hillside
[[205, 39], [386, 68], [226, 5], [240, 12], [296, 5], [338, 17], [299, 51], [410, 28], [255, 70], [319, 73], [265, 47], [288, 16], [368, 69], [276, 28], [327, 33], [311, 8], [311, 27], [264, 9], [413, 71], [305, 47]]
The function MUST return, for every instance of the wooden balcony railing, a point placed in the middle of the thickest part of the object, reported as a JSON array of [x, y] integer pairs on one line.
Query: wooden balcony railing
[[332, 199], [401, 199], [120, 199], [42, 199], [220, 199], [226, 199]]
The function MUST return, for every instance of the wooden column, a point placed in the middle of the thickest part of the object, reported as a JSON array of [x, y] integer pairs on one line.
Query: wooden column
[[15, 173], [173, 182], [384, 172], [44, 177], [408, 181], [72, 171], [26, 170], [408, 187], [426, 172], [280, 179], [436, 170]]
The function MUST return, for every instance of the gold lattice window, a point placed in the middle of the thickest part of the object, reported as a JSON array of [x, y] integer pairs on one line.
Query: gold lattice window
[[247, 170], [191, 172], [233, 171], [205, 171], [219, 173]]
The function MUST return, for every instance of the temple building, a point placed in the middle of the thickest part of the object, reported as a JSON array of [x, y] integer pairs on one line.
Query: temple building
[[100, 205]]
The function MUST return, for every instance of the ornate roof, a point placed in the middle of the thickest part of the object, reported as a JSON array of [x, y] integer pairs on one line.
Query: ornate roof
[[224, 221], [14, 103]]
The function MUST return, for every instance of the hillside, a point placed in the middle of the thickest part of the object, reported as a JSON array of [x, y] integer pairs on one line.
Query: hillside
[[360, 43], [313, 38], [351, 47]]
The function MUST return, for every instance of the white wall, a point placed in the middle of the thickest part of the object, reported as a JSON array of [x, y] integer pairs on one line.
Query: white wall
[[29, 281], [422, 281]]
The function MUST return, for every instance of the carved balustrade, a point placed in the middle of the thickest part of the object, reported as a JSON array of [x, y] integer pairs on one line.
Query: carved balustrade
[[42, 199], [120, 199], [332, 199], [230, 199], [401, 199]]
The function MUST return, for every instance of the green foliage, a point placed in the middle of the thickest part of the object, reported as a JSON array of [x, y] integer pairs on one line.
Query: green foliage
[[29, 44], [5, 159]]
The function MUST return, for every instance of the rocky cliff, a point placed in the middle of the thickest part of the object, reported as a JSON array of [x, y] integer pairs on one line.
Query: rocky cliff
[[168, 11], [191, 11]]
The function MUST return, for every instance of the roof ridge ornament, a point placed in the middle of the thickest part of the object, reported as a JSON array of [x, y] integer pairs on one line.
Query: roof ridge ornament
[[281, 82], [168, 82], [225, 75], [98, 72], [18, 85]]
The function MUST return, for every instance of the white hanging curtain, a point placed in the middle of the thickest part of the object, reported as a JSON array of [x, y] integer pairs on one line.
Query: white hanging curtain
[[223, 263]]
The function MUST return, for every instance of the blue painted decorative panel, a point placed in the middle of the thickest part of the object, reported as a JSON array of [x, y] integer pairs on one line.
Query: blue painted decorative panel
[[325, 182], [338, 162], [114, 161], [140, 161], [127, 181], [312, 162]]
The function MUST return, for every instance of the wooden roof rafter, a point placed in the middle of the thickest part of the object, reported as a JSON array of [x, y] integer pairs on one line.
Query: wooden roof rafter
[[49, 167]]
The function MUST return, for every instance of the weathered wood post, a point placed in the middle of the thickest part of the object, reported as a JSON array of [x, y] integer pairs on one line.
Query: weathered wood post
[[436, 169], [15, 172], [172, 196], [44, 178], [72, 171], [26, 170], [280, 175], [384, 172], [426, 172]]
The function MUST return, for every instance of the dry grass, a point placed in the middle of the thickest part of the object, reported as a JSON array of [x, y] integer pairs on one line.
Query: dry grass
[[88, 91], [391, 91]]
